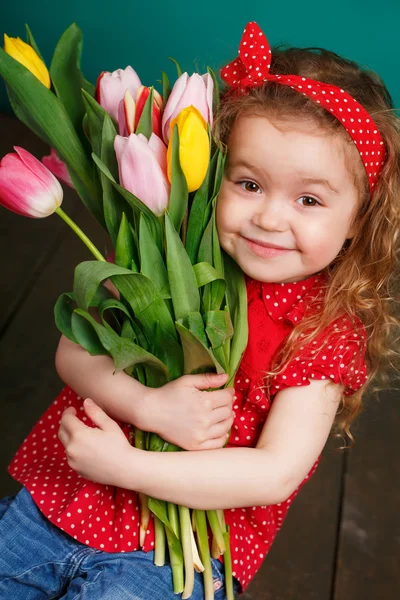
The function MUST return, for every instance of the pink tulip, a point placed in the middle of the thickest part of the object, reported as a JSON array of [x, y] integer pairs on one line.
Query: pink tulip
[[197, 91], [142, 166], [126, 115], [111, 87], [27, 187], [57, 167]]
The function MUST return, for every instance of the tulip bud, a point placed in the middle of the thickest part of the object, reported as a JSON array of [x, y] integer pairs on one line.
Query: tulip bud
[[126, 115], [141, 97], [111, 87], [196, 91], [57, 167], [26, 55], [27, 187], [194, 147], [142, 169]]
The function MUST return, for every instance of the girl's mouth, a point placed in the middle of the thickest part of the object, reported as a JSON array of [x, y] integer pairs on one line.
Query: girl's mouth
[[265, 251]]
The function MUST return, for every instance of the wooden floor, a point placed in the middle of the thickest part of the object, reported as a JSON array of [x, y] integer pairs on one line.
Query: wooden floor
[[341, 539]]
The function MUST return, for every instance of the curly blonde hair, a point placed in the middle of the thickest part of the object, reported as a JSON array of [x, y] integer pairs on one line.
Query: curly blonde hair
[[363, 275]]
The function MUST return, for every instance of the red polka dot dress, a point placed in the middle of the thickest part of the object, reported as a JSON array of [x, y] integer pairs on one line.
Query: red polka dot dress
[[107, 518]]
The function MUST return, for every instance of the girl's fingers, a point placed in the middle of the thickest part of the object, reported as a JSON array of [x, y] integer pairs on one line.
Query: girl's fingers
[[99, 417], [222, 397], [220, 429], [214, 444], [221, 414]]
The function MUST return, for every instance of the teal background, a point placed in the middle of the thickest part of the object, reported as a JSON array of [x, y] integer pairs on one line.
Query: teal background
[[207, 32]]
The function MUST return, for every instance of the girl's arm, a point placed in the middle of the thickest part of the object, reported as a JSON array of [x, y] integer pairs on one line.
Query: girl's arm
[[293, 437]]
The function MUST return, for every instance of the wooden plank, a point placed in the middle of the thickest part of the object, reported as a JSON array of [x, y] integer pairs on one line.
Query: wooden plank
[[29, 382], [369, 549], [25, 243], [299, 565]]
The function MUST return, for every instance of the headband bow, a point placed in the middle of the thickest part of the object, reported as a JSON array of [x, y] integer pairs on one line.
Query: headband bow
[[252, 68]]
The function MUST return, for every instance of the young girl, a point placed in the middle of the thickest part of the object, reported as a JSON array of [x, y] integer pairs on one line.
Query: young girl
[[309, 209]]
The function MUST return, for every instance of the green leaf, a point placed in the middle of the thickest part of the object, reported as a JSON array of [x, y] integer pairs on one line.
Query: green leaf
[[236, 298], [124, 252], [218, 286], [151, 262], [205, 273], [166, 87], [139, 291], [198, 218], [114, 306], [219, 327], [95, 119], [31, 42], [113, 203], [219, 172], [179, 196], [169, 351], [178, 68], [182, 280], [67, 77], [86, 335], [197, 357], [35, 105], [124, 352], [145, 125], [63, 311], [196, 326]]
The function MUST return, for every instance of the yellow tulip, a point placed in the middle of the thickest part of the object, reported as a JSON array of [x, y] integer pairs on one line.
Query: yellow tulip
[[194, 146], [26, 55]]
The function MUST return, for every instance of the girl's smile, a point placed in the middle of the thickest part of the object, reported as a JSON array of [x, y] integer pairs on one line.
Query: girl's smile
[[287, 200], [265, 250]]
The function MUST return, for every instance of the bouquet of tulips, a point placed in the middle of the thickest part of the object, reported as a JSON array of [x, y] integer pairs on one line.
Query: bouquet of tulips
[[148, 168]]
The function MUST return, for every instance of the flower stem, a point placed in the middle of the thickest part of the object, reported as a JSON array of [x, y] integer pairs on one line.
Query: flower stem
[[202, 543], [80, 234], [159, 547], [184, 518]]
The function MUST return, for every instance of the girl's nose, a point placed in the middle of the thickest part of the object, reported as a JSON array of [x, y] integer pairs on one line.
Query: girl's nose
[[271, 216]]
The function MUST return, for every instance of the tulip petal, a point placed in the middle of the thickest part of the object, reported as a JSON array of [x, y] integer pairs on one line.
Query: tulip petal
[[112, 87], [160, 150], [55, 165], [23, 192], [208, 80], [140, 172], [41, 172], [26, 55], [174, 97]]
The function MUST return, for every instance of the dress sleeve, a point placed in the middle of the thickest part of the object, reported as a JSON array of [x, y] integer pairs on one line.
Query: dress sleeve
[[341, 359]]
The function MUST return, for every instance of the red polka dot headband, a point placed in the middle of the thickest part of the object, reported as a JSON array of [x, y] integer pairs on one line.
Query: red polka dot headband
[[251, 69]]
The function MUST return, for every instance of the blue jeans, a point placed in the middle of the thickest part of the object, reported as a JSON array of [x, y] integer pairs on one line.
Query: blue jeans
[[39, 561]]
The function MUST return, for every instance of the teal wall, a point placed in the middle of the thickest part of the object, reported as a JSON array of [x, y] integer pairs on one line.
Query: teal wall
[[144, 34]]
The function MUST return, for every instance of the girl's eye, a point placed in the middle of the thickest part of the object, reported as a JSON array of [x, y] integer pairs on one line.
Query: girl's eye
[[250, 186], [308, 201]]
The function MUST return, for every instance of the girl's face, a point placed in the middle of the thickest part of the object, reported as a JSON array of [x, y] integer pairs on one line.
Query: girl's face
[[287, 199]]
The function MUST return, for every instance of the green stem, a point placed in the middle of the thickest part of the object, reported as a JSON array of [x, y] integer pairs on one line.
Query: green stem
[[228, 568], [227, 558], [172, 511], [204, 549], [80, 234], [176, 563], [159, 544], [186, 540], [216, 529]]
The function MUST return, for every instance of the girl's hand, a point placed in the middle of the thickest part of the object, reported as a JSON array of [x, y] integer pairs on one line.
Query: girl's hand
[[184, 413], [98, 454]]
